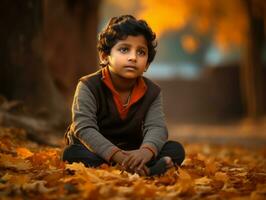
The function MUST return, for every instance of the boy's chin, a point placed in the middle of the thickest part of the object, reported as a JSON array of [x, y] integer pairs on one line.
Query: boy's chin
[[131, 76]]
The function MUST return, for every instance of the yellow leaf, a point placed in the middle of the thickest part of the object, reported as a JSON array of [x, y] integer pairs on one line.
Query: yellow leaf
[[242, 174], [143, 190], [89, 190], [229, 188], [6, 177], [37, 186], [19, 180], [52, 176], [76, 166], [8, 161], [133, 177], [237, 169], [202, 181]]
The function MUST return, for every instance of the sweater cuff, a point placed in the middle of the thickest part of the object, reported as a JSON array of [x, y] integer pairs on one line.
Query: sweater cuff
[[151, 148], [110, 153]]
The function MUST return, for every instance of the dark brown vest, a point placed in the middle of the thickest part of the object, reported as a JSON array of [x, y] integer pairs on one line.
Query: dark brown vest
[[127, 133]]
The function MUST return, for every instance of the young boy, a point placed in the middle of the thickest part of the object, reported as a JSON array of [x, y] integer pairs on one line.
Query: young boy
[[117, 114]]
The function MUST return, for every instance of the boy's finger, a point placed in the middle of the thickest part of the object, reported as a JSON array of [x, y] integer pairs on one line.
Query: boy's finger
[[141, 165], [126, 161], [136, 163], [131, 162]]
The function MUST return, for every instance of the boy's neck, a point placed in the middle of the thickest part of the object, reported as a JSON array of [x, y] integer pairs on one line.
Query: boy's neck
[[122, 84]]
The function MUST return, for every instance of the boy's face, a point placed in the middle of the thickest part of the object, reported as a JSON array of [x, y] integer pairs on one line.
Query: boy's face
[[128, 58]]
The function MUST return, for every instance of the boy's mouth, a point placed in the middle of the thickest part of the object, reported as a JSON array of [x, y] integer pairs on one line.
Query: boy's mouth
[[130, 68]]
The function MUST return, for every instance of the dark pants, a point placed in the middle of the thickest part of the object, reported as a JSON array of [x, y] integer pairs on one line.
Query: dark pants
[[79, 153]]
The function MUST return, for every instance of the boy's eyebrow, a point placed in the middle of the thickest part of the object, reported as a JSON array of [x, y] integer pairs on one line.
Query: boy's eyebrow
[[128, 45]]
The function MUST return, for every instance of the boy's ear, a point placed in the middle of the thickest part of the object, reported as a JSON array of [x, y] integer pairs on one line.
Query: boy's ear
[[103, 58]]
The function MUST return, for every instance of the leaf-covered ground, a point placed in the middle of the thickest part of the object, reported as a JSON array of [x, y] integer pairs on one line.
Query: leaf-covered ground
[[31, 171]]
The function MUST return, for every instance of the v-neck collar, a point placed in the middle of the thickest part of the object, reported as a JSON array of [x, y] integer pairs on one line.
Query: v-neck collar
[[137, 93]]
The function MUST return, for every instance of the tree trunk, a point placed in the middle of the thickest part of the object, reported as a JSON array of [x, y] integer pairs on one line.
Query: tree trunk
[[252, 82], [34, 61], [70, 28], [23, 75]]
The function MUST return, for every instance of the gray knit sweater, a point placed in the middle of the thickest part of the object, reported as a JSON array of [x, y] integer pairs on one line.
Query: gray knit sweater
[[84, 124]]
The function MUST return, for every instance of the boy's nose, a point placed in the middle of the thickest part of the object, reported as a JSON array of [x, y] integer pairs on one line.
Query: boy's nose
[[132, 57]]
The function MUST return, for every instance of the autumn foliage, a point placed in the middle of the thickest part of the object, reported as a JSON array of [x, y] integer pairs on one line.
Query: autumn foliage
[[31, 171], [208, 16]]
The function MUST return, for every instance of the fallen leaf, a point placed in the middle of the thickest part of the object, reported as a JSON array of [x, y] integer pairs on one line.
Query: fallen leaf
[[76, 166], [6, 177], [37, 186], [183, 175], [221, 176], [18, 180], [242, 174], [24, 152], [259, 193], [209, 172], [211, 166], [185, 183], [202, 181], [8, 161]]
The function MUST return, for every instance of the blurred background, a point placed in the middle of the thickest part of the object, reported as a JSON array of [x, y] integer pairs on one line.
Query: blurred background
[[210, 60]]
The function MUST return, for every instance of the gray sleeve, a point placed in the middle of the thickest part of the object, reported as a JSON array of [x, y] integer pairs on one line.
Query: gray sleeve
[[84, 123], [155, 130]]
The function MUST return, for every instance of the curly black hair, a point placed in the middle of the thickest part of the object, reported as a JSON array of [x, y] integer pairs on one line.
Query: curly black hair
[[122, 26]]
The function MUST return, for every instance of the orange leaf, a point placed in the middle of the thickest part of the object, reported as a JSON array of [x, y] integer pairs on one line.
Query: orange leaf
[[221, 176], [24, 152], [183, 175], [211, 166], [8, 161], [185, 182], [18, 180]]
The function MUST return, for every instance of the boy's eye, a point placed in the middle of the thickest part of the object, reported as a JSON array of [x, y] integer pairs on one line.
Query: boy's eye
[[123, 49], [141, 52]]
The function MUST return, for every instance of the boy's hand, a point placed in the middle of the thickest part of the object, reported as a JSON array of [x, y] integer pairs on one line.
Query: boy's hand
[[119, 157], [137, 159]]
